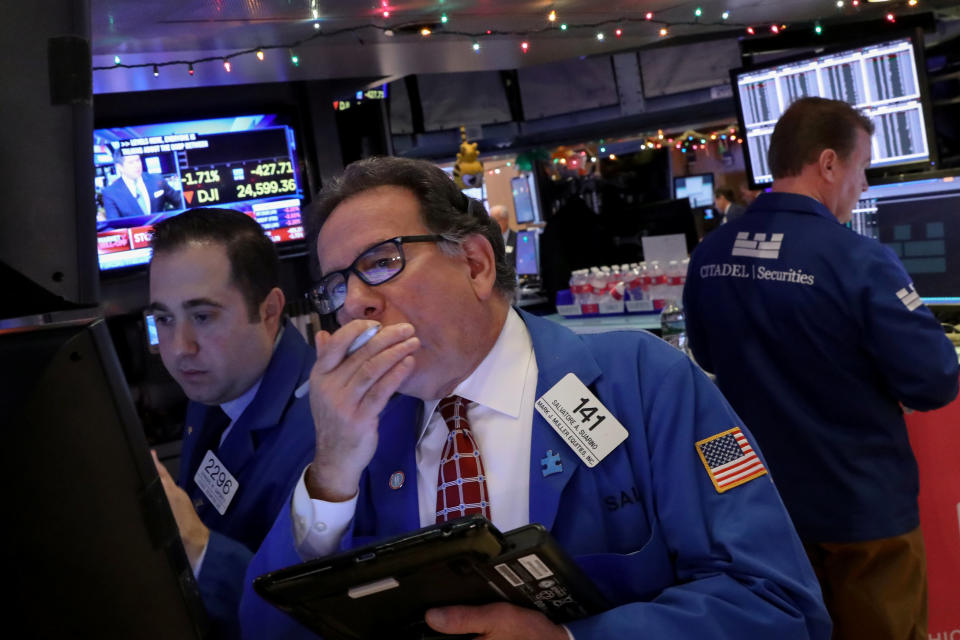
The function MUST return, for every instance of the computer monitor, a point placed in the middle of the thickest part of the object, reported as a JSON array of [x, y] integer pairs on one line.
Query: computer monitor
[[697, 188], [523, 199], [885, 80], [920, 221], [91, 547], [527, 253]]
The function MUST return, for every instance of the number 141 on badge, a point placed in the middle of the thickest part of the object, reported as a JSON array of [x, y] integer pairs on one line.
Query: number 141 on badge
[[581, 420]]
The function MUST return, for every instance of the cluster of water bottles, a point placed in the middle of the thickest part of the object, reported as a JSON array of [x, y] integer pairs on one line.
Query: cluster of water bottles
[[654, 281], [658, 286]]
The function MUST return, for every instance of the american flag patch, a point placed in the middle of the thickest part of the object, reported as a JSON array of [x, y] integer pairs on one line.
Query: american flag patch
[[729, 459]]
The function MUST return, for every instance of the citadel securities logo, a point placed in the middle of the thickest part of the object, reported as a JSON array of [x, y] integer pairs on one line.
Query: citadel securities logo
[[759, 247], [909, 297], [756, 272]]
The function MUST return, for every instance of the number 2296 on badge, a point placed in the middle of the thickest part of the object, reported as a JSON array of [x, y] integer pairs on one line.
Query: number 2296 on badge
[[581, 420]]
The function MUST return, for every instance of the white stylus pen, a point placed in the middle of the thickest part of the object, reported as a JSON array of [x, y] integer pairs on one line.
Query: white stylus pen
[[358, 342]]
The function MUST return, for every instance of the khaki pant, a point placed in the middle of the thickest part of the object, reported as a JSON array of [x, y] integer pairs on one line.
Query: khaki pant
[[874, 590]]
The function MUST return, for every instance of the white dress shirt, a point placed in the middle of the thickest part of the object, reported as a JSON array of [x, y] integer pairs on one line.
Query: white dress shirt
[[502, 392]]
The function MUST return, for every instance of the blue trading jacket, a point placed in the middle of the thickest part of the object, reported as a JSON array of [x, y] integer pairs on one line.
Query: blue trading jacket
[[676, 557], [266, 451], [816, 336]]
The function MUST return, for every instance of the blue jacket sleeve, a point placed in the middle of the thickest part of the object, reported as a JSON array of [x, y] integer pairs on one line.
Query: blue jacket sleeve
[[221, 582], [258, 618], [739, 568], [917, 360]]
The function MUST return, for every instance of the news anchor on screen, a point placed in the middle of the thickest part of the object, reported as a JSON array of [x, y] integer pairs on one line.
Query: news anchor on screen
[[135, 193]]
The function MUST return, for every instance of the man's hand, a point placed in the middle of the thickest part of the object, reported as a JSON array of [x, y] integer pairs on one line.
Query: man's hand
[[347, 395], [193, 532], [500, 621]]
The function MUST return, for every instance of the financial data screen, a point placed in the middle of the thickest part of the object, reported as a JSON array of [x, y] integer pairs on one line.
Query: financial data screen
[[881, 80], [246, 163]]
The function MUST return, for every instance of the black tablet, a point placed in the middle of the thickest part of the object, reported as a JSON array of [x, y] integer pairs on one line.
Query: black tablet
[[382, 590]]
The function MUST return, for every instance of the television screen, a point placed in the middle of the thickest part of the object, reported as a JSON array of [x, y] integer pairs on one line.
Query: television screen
[[920, 221], [528, 263], [884, 80], [145, 173], [697, 188]]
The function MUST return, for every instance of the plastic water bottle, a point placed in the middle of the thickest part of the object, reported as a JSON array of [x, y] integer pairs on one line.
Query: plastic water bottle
[[646, 276], [673, 325], [578, 281], [675, 277], [658, 286], [598, 284], [633, 282]]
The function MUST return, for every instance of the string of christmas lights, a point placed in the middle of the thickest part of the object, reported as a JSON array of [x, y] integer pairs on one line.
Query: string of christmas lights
[[438, 27], [688, 140]]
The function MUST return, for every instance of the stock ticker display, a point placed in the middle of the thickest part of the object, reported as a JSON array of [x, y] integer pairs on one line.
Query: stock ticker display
[[882, 80], [247, 163]]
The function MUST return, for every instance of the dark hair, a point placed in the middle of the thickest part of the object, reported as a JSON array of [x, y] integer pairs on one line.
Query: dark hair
[[118, 155], [726, 193], [809, 126], [254, 266], [444, 209]]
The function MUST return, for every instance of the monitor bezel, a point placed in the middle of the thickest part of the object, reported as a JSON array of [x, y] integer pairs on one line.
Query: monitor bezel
[[915, 35]]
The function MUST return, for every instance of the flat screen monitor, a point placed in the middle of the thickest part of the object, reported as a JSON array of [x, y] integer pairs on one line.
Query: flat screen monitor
[[527, 254], [92, 548], [248, 163], [885, 80], [523, 199], [920, 221], [697, 188]]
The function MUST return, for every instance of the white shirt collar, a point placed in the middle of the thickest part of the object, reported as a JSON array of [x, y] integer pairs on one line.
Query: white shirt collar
[[133, 185], [498, 381]]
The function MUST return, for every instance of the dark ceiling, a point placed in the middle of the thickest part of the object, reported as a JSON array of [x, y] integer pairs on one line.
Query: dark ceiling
[[353, 39]]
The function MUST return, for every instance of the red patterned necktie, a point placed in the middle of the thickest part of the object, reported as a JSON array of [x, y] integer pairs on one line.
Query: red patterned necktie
[[461, 485]]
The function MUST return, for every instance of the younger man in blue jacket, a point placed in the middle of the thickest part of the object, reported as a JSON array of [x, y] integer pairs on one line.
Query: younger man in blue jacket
[[214, 290]]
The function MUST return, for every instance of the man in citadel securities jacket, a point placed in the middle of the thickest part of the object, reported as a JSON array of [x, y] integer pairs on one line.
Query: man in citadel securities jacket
[[219, 312], [817, 335]]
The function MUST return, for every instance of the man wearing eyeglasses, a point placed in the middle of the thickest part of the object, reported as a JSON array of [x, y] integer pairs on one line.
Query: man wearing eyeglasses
[[215, 294], [676, 545]]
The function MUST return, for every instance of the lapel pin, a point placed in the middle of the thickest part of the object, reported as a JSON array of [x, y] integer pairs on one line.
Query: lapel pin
[[396, 479], [550, 464]]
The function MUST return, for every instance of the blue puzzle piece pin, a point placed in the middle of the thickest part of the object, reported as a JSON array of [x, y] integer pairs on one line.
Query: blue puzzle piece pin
[[551, 463]]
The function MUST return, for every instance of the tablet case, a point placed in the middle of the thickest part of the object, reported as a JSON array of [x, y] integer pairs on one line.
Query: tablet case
[[382, 590]]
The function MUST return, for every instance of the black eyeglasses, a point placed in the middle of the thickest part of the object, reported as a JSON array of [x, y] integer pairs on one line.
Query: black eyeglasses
[[378, 264]]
